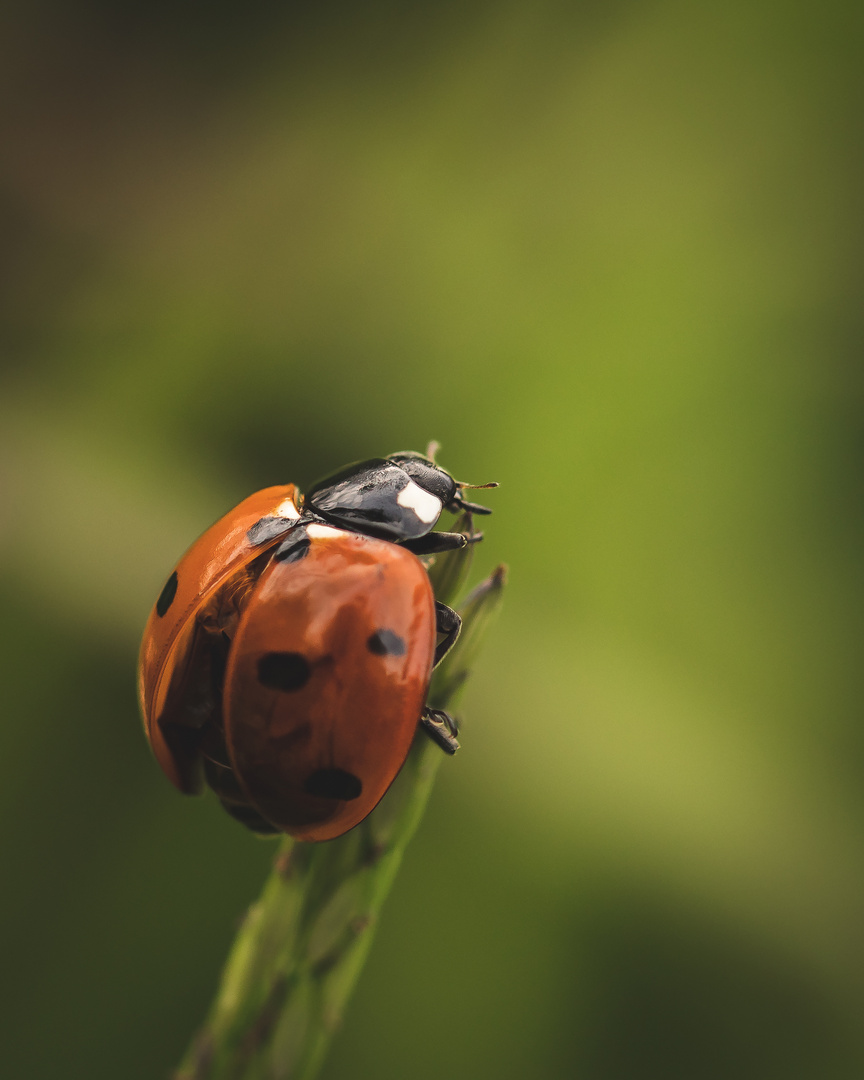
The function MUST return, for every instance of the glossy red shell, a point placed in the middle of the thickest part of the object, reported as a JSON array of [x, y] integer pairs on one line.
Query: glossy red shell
[[356, 708], [221, 554]]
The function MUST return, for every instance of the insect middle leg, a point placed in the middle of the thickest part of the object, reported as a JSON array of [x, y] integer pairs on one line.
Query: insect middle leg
[[441, 728]]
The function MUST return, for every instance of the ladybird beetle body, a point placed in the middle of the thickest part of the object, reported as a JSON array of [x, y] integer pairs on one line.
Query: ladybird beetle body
[[289, 655]]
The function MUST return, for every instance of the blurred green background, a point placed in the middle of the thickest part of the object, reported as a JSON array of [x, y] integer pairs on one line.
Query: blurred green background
[[607, 254]]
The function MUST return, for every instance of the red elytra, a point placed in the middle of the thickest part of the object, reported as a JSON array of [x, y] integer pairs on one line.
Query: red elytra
[[167, 668], [356, 615], [326, 678]]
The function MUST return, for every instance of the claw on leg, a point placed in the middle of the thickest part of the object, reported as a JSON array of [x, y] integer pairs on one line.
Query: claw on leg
[[441, 727]]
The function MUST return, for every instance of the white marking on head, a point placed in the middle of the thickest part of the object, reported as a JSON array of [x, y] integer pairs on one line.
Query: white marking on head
[[322, 532], [426, 506], [287, 509]]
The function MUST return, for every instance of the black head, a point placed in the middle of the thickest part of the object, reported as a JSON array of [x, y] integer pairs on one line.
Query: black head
[[432, 477], [427, 474], [396, 498]]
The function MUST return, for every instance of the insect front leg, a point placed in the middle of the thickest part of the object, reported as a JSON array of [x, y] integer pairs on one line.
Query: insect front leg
[[435, 542]]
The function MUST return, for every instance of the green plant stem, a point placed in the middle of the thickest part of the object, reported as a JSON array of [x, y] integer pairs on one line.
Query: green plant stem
[[301, 947]]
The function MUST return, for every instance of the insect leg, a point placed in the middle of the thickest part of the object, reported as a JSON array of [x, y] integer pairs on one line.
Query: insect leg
[[440, 727], [435, 542], [448, 623]]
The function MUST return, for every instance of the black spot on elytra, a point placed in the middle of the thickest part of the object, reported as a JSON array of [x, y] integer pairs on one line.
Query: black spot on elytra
[[333, 784], [386, 643], [268, 528], [283, 670], [294, 548], [166, 597]]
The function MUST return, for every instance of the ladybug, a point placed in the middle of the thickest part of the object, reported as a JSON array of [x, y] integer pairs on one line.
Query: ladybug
[[287, 660]]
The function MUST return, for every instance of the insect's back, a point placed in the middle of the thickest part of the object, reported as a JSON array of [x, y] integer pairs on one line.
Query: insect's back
[[326, 679], [170, 658]]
